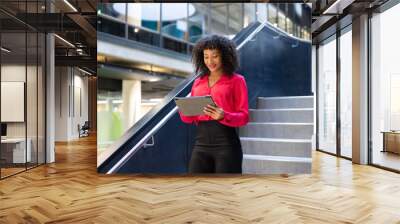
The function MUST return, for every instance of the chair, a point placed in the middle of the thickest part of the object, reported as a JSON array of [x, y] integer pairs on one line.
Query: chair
[[84, 130]]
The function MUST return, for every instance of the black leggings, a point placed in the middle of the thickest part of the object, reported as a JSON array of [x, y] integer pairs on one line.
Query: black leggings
[[217, 149]]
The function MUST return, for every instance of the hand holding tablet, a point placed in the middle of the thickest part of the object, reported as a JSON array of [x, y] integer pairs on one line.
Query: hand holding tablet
[[193, 106]]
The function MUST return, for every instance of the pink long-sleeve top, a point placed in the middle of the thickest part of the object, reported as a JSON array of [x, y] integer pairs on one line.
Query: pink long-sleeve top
[[229, 93]]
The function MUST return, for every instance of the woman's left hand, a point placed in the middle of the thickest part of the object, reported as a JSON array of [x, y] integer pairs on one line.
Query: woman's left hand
[[215, 112]]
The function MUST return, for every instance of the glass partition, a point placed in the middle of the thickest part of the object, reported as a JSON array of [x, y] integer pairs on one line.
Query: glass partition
[[346, 93], [32, 99], [41, 97], [15, 151], [22, 67], [327, 95]]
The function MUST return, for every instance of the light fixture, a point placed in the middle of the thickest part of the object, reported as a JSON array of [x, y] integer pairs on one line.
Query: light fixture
[[136, 30], [64, 40], [70, 5], [5, 49], [338, 6], [86, 72]]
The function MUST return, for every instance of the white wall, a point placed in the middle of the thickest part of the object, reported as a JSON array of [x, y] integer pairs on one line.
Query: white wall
[[80, 100], [71, 94], [16, 73], [61, 103]]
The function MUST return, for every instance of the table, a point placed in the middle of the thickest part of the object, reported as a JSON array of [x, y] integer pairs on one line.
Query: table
[[391, 141], [13, 150]]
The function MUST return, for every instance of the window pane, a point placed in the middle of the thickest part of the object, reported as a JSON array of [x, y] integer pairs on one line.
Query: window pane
[[219, 18], [114, 10], [146, 15], [144, 36], [174, 45], [235, 23], [327, 96], [261, 11], [173, 17], [111, 27], [346, 94], [197, 23], [249, 13]]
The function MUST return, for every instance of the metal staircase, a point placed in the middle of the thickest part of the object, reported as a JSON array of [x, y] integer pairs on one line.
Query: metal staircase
[[278, 137]]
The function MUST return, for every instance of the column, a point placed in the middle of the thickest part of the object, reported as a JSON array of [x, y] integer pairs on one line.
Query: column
[[360, 90]]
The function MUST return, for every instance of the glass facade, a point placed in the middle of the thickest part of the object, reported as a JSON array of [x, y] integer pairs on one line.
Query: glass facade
[[177, 26], [385, 89], [22, 94], [327, 95]]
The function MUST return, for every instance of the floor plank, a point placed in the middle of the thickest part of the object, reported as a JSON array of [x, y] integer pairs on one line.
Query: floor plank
[[70, 191]]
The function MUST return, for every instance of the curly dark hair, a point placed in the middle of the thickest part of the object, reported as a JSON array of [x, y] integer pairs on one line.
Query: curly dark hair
[[225, 46]]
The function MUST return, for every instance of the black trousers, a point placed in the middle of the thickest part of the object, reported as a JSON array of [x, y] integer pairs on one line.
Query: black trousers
[[217, 149]]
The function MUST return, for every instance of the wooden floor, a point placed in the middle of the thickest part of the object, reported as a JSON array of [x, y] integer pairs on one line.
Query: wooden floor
[[70, 191], [387, 159], [10, 171]]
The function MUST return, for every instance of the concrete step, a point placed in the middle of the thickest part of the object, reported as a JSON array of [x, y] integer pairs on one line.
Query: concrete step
[[301, 115], [276, 147], [258, 164], [285, 102], [277, 130]]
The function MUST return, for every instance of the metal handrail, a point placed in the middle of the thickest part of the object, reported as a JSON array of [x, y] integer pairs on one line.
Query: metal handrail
[[130, 153]]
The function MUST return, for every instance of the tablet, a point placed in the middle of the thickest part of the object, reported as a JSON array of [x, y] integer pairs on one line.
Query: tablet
[[193, 106]]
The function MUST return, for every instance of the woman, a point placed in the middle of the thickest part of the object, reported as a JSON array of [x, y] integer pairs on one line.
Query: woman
[[217, 147]]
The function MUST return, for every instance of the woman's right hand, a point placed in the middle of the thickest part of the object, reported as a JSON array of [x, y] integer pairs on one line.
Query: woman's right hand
[[214, 112]]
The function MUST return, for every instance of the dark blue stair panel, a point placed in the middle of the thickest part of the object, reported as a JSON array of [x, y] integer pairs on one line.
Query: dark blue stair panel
[[276, 65]]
